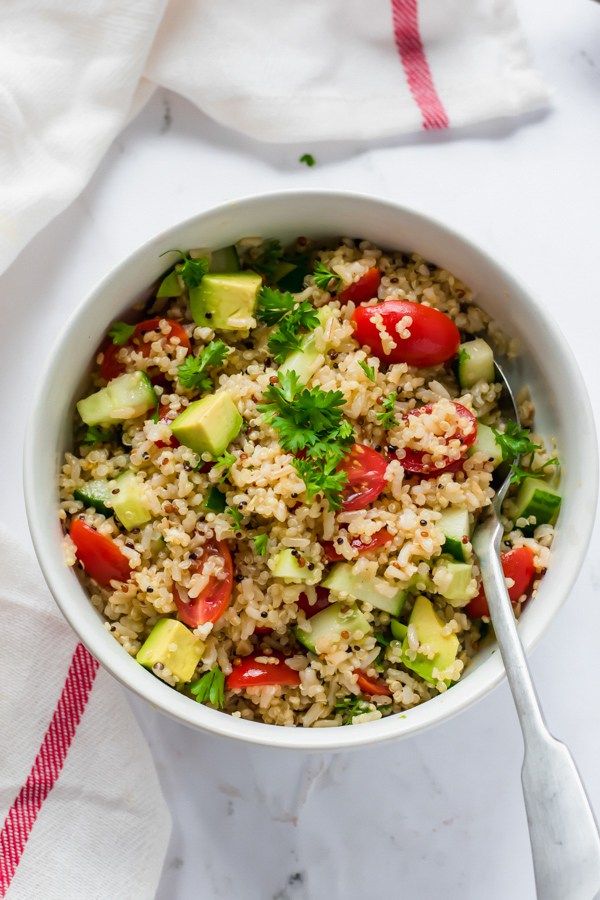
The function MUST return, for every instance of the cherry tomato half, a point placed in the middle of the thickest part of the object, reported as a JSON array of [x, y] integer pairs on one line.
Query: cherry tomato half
[[379, 539], [212, 602], [365, 469], [371, 686], [111, 367], [251, 673], [434, 338], [101, 557], [364, 289], [412, 461], [167, 415], [516, 564], [322, 602]]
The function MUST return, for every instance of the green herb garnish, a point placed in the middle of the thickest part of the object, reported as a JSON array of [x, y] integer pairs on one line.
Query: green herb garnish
[[514, 442], [192, 372], [308, 159], [211, 688], [192, 271], [273, 305], [387, 416], [236, 516], [215, 501], [288, 337], [368, 370], [268, 259], [382, 639], [463, 356], [324, 278], [224, 462], [94, 434], [260, 544], [120, 332], [519, 474], [349, 707]]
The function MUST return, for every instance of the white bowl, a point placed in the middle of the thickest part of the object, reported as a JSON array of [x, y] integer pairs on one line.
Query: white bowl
[[546, 365]]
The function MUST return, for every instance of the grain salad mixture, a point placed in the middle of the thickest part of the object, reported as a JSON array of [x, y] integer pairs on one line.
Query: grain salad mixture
[[276, 474]]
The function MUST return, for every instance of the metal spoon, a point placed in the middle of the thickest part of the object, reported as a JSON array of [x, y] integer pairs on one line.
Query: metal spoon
[[564, 836]]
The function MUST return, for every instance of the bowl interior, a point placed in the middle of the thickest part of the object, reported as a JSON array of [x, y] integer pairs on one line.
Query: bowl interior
[[545, 365]]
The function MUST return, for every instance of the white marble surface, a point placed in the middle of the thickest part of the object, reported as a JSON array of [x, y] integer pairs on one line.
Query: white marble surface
[[441, 814]]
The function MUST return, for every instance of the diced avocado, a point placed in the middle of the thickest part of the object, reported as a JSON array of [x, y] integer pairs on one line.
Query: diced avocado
[[537, 498], [454, 581], [129, 504], [223, 260], [226, 302], [486, 443], [327, 627], [308, 359], [125, 397], [97, 494], [475, 363], [291, 567], [399, 629], [171, 285], [429, 630], [376, 591], [454, 524], [208, 425], [174, 646]]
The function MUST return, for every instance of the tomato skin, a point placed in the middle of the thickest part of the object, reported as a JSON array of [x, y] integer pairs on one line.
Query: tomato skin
[[101, 557], [250, 673], [322, 602], [111, 367], [364, 289], [365, 469], [371, 686], [412, 461], [212, 602], [379, 539], [434, 338], [516, 564]]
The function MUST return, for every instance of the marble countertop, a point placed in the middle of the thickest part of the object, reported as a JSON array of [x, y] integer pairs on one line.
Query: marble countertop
[[440, 814]]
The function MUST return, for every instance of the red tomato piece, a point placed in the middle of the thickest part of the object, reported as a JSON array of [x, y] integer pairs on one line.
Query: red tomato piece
[[371, 686], [365, 469], [262, 630], [101, 557], [434, 338], [142, 328], [110, 366], [167, 415], [516, 564], [412, 460], [212, 602], [251, 673], [364, 289], [379, 539], [322, 602]]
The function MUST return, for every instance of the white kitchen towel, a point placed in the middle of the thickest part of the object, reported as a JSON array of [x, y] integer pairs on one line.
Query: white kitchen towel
[[72, 73], [81, 810]]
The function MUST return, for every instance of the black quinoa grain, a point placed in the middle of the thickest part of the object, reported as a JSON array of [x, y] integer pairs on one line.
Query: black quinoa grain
[[150, 590], [310, 566], [264, 615], [339, 540], [208, 315], [392, 449], [423, 522], [115, 491]]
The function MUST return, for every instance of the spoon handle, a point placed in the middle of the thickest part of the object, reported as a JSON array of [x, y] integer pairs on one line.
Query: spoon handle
[[564, 836]]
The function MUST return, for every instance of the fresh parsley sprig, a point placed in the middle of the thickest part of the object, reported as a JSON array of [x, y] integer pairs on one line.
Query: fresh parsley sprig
[[94, 434], [192, 271], [387, 417], [120, 332], [273, 305], [224, 462], [294, 319], [349, 707], [514, 442], [325, 279], [192, 372], [519, 474], [265, 262], [210, 687], [368, 370], [260, 544]]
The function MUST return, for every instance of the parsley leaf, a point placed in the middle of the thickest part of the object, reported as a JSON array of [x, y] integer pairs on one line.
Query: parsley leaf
[[514, 442], [518, 474], [210, 687], [368, 370], [463, 356], [387, 417], [322, 477], [192, 271], [287, 338], [324, 278], [273, 305], [308, 159], [120, 332], [260, 544], [215, 501], [349, 707], [267, 259], [192, 372], [224, 462], [97, 435], [236, 516]]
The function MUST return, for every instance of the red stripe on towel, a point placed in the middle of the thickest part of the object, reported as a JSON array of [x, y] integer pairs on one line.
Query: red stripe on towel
[[405, 17], [47, 764]]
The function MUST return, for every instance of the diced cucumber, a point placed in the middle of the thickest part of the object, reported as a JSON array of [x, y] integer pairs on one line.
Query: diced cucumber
[[399, 629], [129, 504], [97, 494], [537, 498], [475, 363], [308, 359], [429, 631], [171, 285], [454, 524], [174, 646], [454, 581], [486, 443], [223, 260], [327, 627], [376, 591], [294, 568], [125, 397]]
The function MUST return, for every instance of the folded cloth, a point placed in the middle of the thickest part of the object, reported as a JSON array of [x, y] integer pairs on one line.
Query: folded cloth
[[73, 73], [81, 811]]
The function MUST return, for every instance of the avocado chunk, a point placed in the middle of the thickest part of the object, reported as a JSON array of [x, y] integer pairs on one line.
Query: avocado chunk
[[170, 286], [291, 567], [174, 646], [208, 425], [376, 591], [429, 630], [330, 626], [226, 301], [454, 581], [223, 260], [129, 504]]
